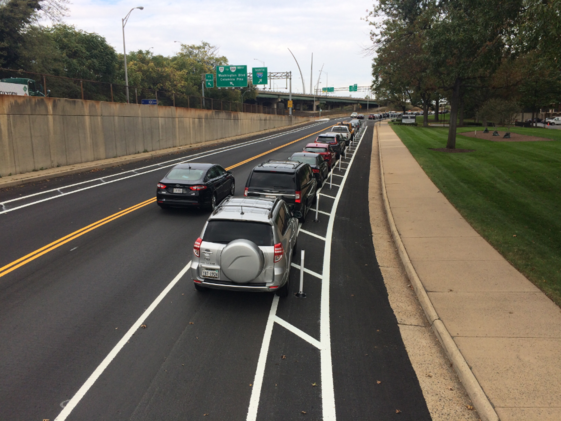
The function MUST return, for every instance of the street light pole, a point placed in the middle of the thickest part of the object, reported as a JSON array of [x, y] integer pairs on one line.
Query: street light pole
[[124, 22]]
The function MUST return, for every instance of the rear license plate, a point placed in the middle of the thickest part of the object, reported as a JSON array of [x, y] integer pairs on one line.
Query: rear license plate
[[210, 273], [178, 190]]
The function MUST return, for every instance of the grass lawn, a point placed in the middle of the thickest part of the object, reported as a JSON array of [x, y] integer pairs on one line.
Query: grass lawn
[[510, 192]]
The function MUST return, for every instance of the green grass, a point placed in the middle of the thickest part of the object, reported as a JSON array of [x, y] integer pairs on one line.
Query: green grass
[[510, 192]]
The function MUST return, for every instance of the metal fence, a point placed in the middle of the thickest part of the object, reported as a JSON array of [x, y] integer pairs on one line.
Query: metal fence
[[74, 88]]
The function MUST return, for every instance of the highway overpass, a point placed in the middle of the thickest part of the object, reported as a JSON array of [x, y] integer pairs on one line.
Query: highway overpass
[[307, 102]]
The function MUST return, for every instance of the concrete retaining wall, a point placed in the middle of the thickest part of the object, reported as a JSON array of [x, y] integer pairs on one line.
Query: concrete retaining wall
[[40, 133]]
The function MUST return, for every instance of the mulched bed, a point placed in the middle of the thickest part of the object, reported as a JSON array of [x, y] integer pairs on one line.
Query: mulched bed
[[514, 137], [452, 150]]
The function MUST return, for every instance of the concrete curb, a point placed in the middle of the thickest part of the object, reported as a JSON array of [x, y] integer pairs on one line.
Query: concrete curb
[[30, 177], [473, 388]]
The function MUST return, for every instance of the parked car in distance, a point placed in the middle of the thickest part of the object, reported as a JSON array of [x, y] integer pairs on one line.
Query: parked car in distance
[[351, 128], [354, 115], [553, 120], [319, 166], [360, 116], [371, 117], [294, 182], [247, 244], [195, 184], [344, 131], [323, 149], [336, 141]]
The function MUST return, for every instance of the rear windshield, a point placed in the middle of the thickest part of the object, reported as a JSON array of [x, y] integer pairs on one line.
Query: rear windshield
[[309, 149], [272, 179], [339, 129], [185, 174], [223, 232], [326, 139], [304, 159]]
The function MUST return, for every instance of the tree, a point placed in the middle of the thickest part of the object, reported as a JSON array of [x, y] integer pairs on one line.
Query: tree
[[500, 111], [466, 42], [15, 16]]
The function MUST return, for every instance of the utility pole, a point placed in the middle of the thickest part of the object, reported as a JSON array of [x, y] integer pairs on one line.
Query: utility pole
[[290, 92], [124, 22]]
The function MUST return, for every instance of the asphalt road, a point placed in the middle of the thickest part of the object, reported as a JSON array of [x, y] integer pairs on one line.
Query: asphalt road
[[65, 310]]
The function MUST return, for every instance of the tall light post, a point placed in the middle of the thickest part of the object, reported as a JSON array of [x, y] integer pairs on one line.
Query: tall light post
[[124, 22], [303, 87]]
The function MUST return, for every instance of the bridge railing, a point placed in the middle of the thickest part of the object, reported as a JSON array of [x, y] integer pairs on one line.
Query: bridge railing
[[84, 89]]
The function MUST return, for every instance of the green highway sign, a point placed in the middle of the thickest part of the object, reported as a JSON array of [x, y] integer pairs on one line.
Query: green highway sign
[[260, 75], [209, 80], [231, 76], [328, 89], [353, 88]]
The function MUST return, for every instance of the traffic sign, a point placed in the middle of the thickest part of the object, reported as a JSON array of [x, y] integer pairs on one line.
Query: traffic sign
[[149, 101], [231, 76], [260, 76], [332, 89], [353, 88], [290, 104], [209, 80]]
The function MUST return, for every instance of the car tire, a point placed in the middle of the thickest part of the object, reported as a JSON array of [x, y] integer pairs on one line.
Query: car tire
[[282, 292], [200, 288], [233, 189], [213, 203]]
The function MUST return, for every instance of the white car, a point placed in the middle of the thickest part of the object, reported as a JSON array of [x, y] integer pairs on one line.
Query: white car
[[354, 115], [553, 120]]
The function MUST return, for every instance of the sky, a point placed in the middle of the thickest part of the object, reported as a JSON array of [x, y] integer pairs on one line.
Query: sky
[[244, 31]]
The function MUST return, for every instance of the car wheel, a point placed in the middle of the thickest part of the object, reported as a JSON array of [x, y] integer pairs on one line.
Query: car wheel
[[213, 202], [283, 291], [233, 189], [200, 288], [304, 214]]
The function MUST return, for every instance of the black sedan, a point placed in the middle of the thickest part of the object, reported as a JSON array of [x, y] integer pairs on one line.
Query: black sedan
[[201, 185], [319, 165]]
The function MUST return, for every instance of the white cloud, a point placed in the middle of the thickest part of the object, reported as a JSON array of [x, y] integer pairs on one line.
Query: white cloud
[[244, 30]]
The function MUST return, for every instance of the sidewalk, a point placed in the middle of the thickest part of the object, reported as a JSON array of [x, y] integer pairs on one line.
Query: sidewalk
[[502, 334]]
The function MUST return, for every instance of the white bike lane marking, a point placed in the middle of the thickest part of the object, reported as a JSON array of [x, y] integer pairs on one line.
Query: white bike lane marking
[[324, 344]]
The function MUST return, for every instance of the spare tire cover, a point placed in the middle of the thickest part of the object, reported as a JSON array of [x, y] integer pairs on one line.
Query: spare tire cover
[[241, 261]]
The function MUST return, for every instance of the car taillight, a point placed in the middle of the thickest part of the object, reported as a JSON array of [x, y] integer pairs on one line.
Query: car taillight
[[162, 186], [197, 188], [197, 247], [297, 198], [315, 170], [245, 191], [279, 251]]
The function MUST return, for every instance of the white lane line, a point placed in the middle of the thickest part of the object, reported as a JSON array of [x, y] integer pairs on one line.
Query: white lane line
[[117, 348], [308, 271], [326, 195], [260, 372], [327, 385], [298, 332], [312, 234], [174, 161]]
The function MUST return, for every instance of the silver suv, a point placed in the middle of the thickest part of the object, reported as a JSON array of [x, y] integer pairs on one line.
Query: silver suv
[[247, 244]]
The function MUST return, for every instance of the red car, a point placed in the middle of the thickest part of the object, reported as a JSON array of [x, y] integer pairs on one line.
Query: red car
[[322, 149]]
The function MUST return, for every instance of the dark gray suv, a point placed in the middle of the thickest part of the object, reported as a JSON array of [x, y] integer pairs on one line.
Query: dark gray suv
[[294, 182], [247, 244]]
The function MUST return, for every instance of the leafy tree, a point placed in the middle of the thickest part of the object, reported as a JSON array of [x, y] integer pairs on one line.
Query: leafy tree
[[15, 16]]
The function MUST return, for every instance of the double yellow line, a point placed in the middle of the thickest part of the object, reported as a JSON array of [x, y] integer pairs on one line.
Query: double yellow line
[[55, 244], [61, 241]]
